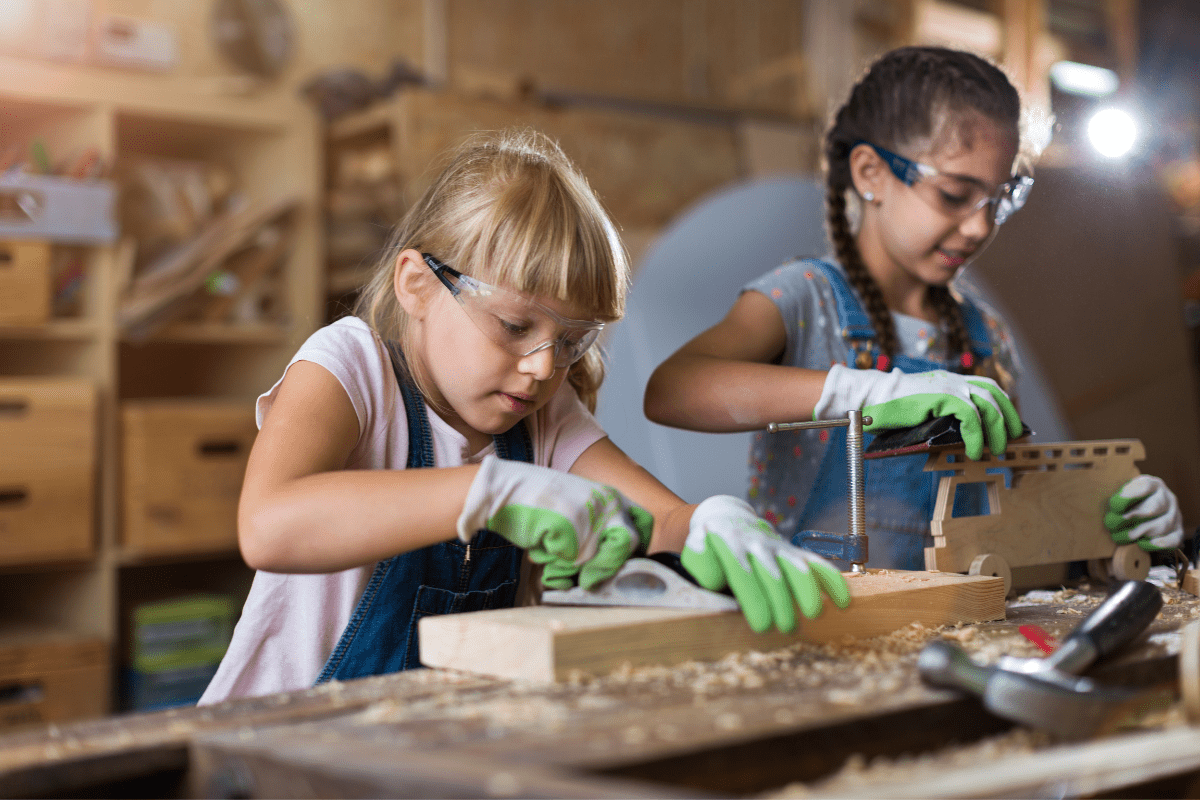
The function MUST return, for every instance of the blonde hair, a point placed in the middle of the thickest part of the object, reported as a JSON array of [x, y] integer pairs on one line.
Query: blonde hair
[[509, 209]]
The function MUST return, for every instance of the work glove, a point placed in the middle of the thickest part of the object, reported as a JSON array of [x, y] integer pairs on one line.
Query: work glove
[[1145, 511], [729, 545], [569, 524], [901, 400]]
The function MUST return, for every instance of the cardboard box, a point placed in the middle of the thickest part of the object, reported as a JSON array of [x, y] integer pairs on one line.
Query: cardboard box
[[47, 469], [24, 282], [48, 676], [183, 466]]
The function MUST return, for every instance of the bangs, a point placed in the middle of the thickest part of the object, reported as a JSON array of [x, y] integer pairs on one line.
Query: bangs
[[545, 237]]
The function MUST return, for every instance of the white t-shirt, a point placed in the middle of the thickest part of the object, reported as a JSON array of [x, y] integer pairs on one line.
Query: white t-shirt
[[291, 623]]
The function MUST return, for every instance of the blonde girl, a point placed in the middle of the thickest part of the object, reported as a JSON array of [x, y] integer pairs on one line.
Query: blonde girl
[[421, 456]]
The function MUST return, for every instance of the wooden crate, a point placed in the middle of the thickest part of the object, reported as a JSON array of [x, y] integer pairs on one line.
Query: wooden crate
[[183, 466], [47, 469], [48, 676], [24, 282]]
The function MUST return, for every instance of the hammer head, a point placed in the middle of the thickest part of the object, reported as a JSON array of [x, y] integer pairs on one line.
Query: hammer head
[[1066, 705]]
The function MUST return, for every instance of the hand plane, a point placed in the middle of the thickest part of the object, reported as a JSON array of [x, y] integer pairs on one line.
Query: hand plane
[[658, 580]]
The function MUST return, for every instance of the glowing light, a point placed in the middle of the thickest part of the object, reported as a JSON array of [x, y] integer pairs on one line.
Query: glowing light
[[1112, 132], [1084, 79]]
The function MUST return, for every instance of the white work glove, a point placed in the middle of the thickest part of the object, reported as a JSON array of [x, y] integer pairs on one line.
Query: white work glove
[[901, 400], [1145, 511], [568, 523], [729, 545]]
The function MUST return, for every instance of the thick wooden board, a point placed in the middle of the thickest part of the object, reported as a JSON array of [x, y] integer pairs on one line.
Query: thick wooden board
[[1191, 582], [547, 643], [1053, 513]]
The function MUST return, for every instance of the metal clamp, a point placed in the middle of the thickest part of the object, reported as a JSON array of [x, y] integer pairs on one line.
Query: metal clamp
[[853, 422]]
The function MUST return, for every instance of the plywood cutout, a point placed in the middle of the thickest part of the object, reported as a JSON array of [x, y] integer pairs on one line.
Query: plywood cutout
[[1052, 513], [546, 643]]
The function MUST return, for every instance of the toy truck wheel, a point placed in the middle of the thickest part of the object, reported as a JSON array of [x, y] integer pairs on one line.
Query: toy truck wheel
[[993, 565], [1130, 563]]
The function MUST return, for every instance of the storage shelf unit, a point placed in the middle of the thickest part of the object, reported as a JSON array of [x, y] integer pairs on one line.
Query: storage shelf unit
[[271, 144]]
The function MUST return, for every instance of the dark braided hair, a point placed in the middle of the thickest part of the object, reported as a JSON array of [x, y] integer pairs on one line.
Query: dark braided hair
[[898, 101]]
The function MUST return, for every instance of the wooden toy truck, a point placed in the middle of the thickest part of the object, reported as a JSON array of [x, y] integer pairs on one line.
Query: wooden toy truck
[[1050, 512]]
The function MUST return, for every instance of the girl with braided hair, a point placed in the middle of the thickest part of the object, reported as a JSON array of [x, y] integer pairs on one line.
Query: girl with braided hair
[[922, 166]]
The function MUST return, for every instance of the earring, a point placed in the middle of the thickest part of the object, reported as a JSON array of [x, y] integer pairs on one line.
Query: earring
[[868, 196]]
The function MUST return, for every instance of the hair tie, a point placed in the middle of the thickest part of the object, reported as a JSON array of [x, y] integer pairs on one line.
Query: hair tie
[[967, 360], [883, 363]]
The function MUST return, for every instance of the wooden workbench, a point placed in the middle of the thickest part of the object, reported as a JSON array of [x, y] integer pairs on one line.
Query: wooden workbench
[[829, 720]]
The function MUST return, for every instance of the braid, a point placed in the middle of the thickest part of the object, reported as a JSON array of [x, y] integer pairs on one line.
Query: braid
[[900, 100], [860, 278], [950, 314]]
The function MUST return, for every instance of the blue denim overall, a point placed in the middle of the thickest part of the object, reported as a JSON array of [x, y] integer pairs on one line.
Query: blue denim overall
[[446, 578], [900, 496]]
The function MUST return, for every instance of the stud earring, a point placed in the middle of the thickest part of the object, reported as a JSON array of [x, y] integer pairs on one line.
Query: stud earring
[[868, 196]]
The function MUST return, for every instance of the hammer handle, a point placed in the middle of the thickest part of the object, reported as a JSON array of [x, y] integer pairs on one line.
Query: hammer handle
[[1116, 622]]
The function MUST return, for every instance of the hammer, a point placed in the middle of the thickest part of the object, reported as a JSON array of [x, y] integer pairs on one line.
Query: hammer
[[1048, 693]]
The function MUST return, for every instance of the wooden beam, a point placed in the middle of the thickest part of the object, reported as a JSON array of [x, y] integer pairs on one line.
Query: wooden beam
[[548, 643]]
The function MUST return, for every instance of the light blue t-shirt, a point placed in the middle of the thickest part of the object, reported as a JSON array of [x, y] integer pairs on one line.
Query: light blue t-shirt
[[783, 468]]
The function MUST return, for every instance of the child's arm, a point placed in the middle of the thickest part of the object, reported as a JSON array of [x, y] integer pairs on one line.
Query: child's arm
[[726, 379], [300, 511], [723, 543]]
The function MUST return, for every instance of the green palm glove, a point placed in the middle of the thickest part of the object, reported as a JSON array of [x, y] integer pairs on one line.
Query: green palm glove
[[901, 400], [1145, 511], [729, 545], [569, 524]]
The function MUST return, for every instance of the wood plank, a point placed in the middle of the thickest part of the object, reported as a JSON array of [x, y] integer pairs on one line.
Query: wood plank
[[1191, 582], [548, 643], [1086, 770]]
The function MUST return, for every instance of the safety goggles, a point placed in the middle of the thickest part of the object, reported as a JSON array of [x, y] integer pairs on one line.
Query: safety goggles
[[956, 197], [519, 325]]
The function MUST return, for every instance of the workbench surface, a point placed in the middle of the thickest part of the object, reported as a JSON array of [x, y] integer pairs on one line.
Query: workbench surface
[[810, 720]]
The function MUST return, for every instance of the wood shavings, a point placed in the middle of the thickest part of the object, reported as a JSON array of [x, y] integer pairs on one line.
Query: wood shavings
[[859, 773]]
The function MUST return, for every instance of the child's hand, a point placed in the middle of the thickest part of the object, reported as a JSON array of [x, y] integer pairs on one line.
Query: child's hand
[[899, 400], [1145, 511], [570, 524], [729, 545]]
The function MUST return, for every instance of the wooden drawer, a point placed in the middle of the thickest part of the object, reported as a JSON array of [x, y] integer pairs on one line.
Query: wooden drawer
[[47, 469], [24, 282], [183, 466], [51, 677]]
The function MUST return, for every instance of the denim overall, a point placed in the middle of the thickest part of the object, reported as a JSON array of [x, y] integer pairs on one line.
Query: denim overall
[[900, 496], [445, 578]]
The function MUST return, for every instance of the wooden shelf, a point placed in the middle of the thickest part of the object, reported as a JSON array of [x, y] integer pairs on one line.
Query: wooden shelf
[[271, 147], [218, 333], [57, 330]]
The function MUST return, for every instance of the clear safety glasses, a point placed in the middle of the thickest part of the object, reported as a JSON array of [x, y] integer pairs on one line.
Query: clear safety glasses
[[956, 197], [519, 325]]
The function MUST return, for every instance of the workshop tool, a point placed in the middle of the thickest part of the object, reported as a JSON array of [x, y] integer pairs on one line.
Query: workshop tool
[[1117, 621], [852, 545], [940, 432], [1048, 693], [656, 581], [1067, 705]]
